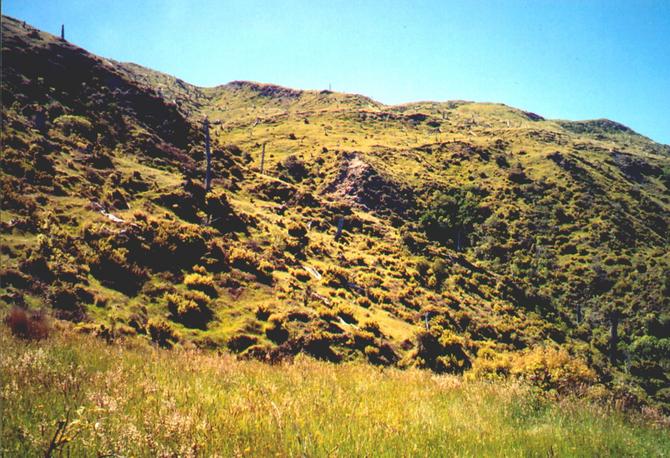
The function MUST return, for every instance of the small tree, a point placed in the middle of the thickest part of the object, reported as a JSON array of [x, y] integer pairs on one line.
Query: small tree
[[608, 309], [451, 216]]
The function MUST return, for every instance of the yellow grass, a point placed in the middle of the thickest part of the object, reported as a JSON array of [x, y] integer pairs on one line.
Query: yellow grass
[[131, 400]]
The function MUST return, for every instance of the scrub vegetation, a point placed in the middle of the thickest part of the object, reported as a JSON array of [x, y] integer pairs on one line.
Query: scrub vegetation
[[469, 256]]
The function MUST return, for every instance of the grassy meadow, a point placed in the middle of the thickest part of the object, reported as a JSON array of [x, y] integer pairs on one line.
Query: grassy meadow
[[75, 395]]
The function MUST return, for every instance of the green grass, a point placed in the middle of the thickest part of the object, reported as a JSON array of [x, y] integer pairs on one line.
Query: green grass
[[132, 400]]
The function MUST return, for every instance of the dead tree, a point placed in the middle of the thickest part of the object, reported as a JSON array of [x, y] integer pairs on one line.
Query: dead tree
[[263, 159], [208, 153], [340, 226]]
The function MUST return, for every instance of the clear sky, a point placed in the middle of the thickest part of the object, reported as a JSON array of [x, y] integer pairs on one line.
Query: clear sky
[[565, 59]]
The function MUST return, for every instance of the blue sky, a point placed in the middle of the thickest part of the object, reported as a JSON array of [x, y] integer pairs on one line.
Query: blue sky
[[561, 59]]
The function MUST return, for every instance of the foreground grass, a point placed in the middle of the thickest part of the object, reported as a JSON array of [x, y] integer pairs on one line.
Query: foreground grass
[[80, 396]]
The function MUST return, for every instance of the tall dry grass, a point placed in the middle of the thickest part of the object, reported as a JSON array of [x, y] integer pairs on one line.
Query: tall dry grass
[[77, 396]]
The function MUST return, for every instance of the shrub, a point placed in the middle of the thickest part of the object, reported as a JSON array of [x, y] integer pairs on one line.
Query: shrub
[[518, 175], [292, 169], [336, 277], [441, 351], [75, 125], [297, 230], [383, 354], [326, 314], [161, 332], [63, 298], [112, 266], [319, 344], [265, 269], [275, 330], [31, 326], [263, 312], [362, 339], [546, 367], [364, 302], [222, 214], [175, 245], [241, 342], [300, 274], [199, 297], [200, 282], [372, 353], [188, 311], [347, 314], [372, 327], [243, 259]]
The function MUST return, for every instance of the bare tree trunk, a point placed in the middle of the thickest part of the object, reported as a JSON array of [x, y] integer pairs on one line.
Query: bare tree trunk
[[340, 226], [208, 173], [263, 159]]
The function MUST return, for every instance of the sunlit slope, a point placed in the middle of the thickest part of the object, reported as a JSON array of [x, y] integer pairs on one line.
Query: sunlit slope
[[469, 231]]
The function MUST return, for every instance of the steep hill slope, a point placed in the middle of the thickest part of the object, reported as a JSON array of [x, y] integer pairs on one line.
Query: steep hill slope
[[454, 236]]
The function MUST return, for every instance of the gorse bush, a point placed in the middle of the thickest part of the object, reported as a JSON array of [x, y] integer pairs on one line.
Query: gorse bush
[[192, 311], [440, 351], [161, 332], [200, 282], [546, 367]]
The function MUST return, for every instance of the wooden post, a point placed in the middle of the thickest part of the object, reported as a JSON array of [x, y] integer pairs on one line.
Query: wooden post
[[263, 159], [62, 32], [208, 173]]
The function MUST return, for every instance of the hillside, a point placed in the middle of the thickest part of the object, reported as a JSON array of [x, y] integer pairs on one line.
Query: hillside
[[474, 238]]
